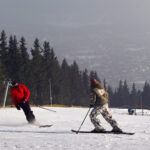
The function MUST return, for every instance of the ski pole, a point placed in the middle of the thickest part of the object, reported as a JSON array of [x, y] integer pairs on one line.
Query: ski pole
[[46, 108], [83, 121]]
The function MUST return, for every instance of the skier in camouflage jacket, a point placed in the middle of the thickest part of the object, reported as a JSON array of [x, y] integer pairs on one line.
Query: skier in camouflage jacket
[[99, 100]]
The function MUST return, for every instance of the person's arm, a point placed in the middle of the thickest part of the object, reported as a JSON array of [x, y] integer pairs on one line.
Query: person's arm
[[26, 93]]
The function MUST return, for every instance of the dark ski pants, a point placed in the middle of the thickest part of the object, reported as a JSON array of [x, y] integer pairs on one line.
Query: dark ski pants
[[28, 112]]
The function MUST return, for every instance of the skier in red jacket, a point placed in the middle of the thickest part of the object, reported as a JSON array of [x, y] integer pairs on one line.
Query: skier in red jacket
[[20, 95]]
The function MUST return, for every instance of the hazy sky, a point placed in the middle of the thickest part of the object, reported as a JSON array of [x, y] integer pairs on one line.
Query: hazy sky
[[24, 14], [74, 24], [108, 35]]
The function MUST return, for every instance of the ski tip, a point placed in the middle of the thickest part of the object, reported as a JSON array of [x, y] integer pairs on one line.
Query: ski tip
[[74, 131]]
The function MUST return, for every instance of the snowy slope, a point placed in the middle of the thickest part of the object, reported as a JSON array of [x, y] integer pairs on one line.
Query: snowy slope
[[17, 134]]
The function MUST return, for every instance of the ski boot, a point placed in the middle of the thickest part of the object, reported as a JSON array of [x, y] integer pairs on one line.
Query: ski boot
[[116, 130], [98, 130]]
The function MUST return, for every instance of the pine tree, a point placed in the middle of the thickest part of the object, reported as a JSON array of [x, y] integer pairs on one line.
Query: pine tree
[[86, 88], [146, 95], [119, 94], [3, 57], [86, 81], [53, 71], [1, 82], [13, 61], [75, 83], [133, 97], [65, 94], [36, 73], [3, 49], [126, 94], [24, 62], [110, 92], [105, 84], [47, 73]]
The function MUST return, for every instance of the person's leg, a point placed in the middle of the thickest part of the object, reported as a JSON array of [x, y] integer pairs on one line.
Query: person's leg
[[96, 122], [28, 112], [108, 117]]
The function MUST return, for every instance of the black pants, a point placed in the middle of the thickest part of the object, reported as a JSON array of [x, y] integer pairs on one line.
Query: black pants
[[28, 112]]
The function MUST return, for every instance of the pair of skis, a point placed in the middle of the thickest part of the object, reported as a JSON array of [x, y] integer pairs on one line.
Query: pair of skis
[[104, 132], [75, 131]]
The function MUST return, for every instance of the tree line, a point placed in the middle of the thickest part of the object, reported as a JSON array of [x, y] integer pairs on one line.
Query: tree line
[[52, 81]]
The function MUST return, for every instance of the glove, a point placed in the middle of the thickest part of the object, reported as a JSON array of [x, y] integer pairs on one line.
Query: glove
[[23, 101], [18, 107], [91, 105]]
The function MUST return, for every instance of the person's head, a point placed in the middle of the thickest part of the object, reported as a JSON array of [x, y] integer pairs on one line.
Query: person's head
[[94, 82], [14, 84]]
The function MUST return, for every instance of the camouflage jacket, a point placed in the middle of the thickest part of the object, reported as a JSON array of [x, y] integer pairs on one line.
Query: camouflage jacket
[[99, 96]]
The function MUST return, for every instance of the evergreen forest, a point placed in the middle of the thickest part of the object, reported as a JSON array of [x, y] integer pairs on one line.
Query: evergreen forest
[[53, 82]]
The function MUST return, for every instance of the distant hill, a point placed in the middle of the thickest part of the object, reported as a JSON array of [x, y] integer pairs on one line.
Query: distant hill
[[111, 37]]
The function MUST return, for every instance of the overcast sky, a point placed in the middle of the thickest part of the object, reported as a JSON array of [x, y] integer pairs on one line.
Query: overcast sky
[[109, 36], [67, 23]]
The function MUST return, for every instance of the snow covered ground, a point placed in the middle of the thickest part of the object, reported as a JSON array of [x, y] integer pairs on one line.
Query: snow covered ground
[[17, 134]]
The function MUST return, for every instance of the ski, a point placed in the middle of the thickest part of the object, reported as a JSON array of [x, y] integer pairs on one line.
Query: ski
[[45, 126], [40, 125], [106, 132]]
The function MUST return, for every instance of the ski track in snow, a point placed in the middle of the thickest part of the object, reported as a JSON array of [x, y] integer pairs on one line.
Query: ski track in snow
[[17, 134]]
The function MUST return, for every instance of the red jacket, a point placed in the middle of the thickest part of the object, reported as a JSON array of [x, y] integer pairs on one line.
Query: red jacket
[[19, 93]]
